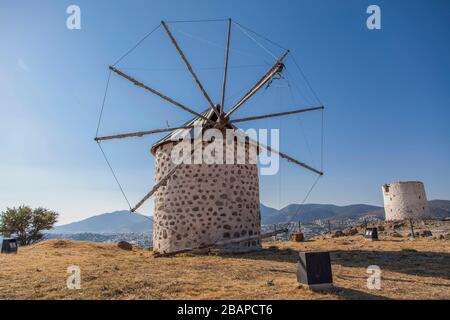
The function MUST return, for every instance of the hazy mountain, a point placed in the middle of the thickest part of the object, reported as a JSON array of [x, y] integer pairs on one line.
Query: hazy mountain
[[113, 222], [310, 212], [440, 208], [126, 222]]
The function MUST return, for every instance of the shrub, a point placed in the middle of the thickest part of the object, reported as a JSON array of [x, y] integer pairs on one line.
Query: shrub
[[26, 224]]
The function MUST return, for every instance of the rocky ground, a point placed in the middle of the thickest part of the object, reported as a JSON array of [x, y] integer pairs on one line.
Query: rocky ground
[[433, 229]]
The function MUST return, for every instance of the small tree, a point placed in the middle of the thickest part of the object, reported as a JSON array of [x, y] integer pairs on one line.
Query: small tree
[[26, 224]]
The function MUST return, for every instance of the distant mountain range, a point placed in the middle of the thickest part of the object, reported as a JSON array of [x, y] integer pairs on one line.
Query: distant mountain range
[[311, 212], [114, 222], [126, 222]]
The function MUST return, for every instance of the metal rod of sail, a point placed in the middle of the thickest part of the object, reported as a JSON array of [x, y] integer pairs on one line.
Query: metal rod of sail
[[276, 114], [188, 65], [277, 67], [140, 84], [139, 133], [225, 71], [226, 242]]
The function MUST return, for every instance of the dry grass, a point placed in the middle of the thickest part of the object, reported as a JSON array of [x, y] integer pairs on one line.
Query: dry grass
[[410, 270]]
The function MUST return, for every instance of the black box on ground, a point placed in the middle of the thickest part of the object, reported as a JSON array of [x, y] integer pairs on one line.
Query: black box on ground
[[314, 270], [371, 234], [9, 245]]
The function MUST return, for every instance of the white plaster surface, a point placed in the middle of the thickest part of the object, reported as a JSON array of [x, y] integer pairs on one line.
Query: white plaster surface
[[405, 200]]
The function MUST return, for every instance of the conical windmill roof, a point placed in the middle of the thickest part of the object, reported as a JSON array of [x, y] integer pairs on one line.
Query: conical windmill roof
[[181, 134]]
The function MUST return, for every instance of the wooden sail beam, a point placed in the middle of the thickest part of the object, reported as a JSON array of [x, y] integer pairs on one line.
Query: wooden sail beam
[[249, 238], [160, 183], [277, 67], [140, 84], [290, 159], [282, 155], [139, 133], [188, 65], [224, 243], [155, 188], [225, 71], [276, 114]]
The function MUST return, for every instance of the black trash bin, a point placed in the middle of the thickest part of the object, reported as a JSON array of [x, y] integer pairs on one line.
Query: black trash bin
[[9, 245], [314, 270], [371, 234]]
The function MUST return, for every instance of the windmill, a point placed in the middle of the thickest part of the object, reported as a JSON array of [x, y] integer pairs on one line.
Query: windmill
[[208, 205]]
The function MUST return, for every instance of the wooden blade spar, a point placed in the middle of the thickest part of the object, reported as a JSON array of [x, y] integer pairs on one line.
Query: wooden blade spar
[[140, 84], [282, 155], [272, 115], [156, 187], [161, 183], [139, 133], [188, 65], [225, 71], [276, 68], [226, 242]]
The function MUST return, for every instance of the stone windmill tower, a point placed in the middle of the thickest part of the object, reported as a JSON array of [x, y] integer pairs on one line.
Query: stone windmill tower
[[200, 205], [405, 200], [205, 203]]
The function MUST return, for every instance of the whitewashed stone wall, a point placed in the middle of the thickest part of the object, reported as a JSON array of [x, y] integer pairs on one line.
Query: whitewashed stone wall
[[405, 200], [202, 204]]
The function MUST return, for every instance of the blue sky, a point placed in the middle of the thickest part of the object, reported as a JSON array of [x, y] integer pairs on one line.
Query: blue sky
[[386, 94]]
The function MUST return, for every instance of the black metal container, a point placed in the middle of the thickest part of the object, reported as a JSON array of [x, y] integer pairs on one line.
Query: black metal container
[[9, 245], [371, 233], [314, 270]]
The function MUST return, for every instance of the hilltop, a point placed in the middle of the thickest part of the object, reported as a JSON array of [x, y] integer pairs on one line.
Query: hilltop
[[410, 270]]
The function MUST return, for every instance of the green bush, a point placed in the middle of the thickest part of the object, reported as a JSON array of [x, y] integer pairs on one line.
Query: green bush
[[26, 224]]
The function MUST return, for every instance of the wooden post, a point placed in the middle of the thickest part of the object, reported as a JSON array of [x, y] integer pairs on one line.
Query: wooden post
[[412, 228]]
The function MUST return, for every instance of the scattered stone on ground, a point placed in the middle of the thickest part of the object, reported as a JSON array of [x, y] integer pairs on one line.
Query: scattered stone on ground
[[125, 245], [426, 233], [395, 234], [351, 231], [337, 234]]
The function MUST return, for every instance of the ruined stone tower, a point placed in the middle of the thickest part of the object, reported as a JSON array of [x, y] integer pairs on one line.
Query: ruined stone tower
[[202, 204], [405, 200]]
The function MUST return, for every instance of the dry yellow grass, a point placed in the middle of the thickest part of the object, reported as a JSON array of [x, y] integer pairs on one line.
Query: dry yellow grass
[[410, 270]]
